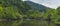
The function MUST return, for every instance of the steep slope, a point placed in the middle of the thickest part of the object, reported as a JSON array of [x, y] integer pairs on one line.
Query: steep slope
[[36, 6]]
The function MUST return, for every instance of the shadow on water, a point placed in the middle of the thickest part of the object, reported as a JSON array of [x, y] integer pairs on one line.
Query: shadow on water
[[25, 22]]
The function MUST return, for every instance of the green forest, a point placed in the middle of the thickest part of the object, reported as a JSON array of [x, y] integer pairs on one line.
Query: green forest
[[18, 13]]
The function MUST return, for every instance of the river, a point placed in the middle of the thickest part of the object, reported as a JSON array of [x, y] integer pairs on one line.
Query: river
[[26, 22]]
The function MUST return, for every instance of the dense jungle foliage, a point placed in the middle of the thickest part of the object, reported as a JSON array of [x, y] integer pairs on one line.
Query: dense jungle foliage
[[19, 10]]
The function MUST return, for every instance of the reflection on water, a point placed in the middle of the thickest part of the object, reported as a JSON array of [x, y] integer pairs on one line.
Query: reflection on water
[[26, 22]]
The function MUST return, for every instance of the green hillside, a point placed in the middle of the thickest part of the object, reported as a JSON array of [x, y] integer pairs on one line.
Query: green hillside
[[19, 10]]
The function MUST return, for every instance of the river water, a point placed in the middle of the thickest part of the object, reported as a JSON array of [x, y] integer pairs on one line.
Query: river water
[[25, 22]]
